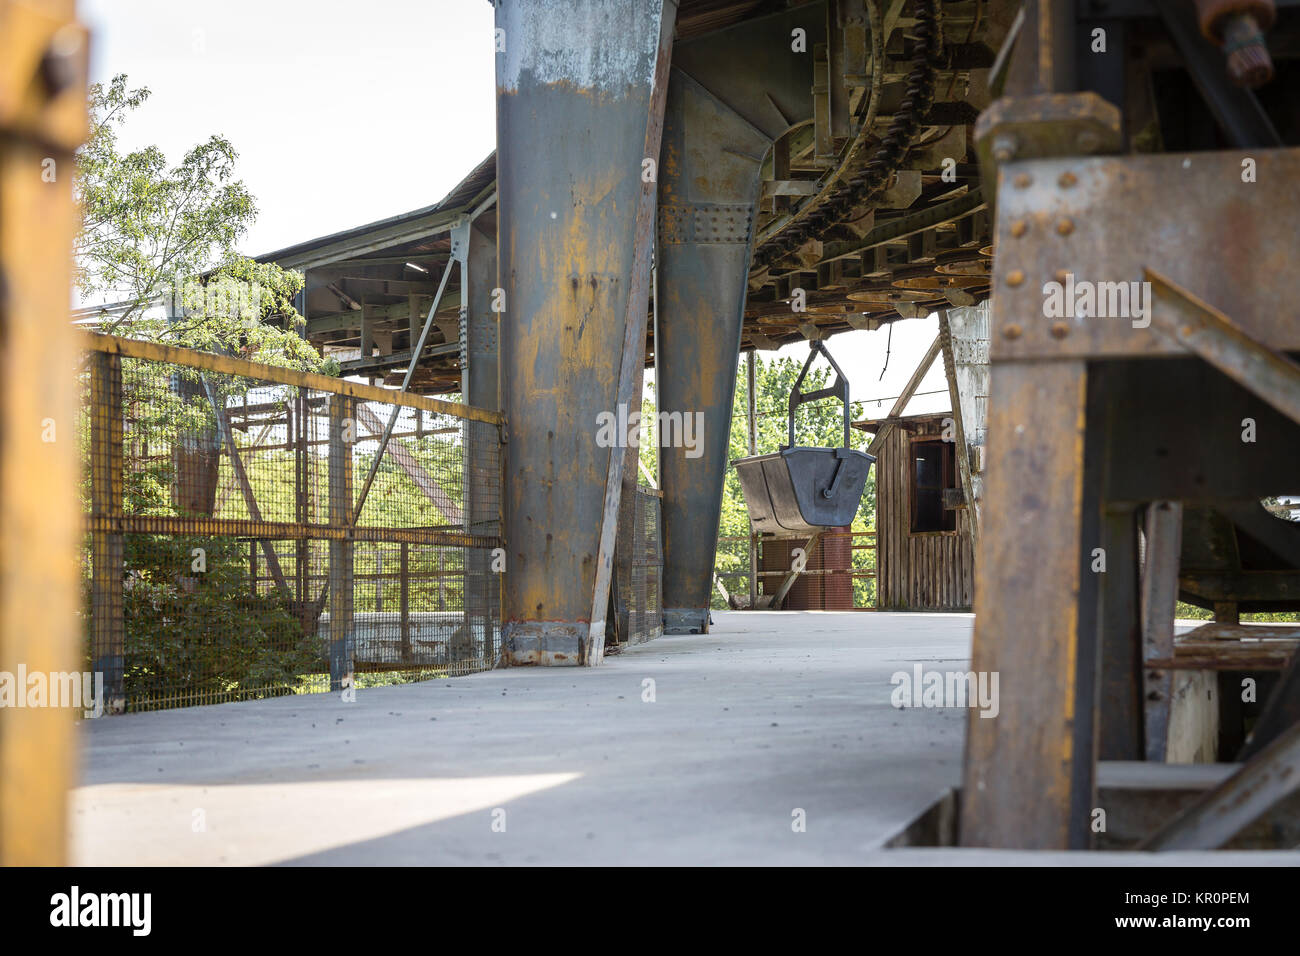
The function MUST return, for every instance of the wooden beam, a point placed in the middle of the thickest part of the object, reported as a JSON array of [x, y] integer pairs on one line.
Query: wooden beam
[[1200, 653], [397, 313], [433, 257], [343, 297], [788, 583], [367, 329]]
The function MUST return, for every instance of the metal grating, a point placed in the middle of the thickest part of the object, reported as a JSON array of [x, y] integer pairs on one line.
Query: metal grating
[[250, 534], [639, 567]]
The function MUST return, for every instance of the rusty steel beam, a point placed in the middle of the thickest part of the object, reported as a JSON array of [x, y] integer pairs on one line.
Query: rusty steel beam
[[1164, 544], [1205, 331], [406, 382], [43, 57], [631, 369], [246, 488], [1087, 220], [579, 112], [107, 545], [311, 381], [480, 384], [419, 475], [480, 380], [708, 194], [1027, 781], [1120, 718], [1281, 711], [284, 531], [342, 636], [1269, 777]]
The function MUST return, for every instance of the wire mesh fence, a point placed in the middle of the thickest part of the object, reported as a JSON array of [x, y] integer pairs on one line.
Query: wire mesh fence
[[255, 531], [639, 561]]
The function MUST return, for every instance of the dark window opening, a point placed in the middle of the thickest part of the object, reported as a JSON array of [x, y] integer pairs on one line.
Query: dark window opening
[[934, 469]]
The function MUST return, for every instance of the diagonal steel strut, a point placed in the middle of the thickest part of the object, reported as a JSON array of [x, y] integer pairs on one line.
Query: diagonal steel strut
[[406, 381], [1206, 332]]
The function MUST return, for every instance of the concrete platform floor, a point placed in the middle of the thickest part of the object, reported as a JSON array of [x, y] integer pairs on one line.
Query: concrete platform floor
[[770, 714]]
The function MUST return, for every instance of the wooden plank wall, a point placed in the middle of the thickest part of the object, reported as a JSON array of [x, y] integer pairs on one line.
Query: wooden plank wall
[[917, 571]]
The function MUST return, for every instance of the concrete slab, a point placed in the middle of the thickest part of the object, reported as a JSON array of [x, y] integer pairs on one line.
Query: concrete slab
[[769, 714]]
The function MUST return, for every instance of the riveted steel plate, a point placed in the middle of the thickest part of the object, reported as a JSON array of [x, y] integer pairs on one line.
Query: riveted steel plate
[[714, 223], [483, 330], [1101, 221]]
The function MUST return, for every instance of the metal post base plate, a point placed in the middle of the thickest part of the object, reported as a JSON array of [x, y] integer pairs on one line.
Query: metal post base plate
[[686, 620]]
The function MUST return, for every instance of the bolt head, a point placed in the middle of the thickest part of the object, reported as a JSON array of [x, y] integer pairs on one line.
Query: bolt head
[[1065, 226], [1015, 277], [61, 62], [1004, 148], [1059, 330], [1019, 228], [1012, 331], [1022, 180]]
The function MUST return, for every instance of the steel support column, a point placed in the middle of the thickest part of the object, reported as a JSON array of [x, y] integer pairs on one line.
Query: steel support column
[[1027, 776], [342, 634], [480, 382], [580, 89], [708, 194]]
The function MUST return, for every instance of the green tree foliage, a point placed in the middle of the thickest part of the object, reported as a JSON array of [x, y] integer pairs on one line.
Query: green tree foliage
[[205, 633], [155, 231]]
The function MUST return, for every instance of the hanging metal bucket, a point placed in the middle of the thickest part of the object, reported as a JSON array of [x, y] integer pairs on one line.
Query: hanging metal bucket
[[799, 490]]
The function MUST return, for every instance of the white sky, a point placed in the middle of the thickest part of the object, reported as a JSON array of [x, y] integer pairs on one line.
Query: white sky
[[345, 112]]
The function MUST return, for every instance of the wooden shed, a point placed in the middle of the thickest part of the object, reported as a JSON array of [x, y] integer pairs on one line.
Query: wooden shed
[[925, 553], [928, 476]]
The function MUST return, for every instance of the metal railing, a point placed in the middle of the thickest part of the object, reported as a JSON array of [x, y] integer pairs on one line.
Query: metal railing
[[234, 551]]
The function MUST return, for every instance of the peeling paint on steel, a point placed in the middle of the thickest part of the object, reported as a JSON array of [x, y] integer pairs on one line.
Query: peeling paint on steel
[[601, 45]]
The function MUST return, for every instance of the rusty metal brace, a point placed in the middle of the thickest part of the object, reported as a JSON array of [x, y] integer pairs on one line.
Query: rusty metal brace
[[1208, 333]]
